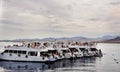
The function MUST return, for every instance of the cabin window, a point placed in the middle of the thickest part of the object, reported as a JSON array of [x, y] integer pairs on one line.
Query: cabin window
[[93, 49], [21, 52], [43, 54], [6, 51], [73, 50], [32, 53], [10, 51], [82, 49], [76, 50], [15, 51], [65, 51], [53, 52]]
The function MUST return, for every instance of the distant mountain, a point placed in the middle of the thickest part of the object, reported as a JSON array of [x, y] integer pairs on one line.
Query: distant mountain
[[107, 37], [79, 38], [67, 39], [114, 40], [51, 39]]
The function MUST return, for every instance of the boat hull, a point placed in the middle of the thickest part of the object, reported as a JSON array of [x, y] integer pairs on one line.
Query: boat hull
[[16, 57]]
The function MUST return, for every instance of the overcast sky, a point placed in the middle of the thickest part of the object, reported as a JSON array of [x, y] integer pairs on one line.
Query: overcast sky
[[58, 18]]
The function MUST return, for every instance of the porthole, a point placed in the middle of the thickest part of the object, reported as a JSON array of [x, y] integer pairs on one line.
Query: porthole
[[2, 53], [10, 54], [63, 54], [19, 55], [26, 56], [43, 58], [55, 57]]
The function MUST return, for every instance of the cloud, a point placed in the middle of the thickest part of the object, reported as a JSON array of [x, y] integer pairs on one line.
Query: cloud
[[7, 22], [114, 2], [45, 18]]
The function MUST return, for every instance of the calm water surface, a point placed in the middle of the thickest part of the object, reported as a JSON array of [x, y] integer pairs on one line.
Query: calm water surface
[[110, 62]]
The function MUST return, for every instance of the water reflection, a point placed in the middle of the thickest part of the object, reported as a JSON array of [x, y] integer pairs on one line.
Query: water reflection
[[82, 64]]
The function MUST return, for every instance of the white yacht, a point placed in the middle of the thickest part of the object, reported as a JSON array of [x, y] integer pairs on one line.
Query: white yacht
[[94, 52], [53, 54], [64, 53], [47, 52], [28, 53], [76, 52], [85, 51], [24, 54], [90, 51]]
